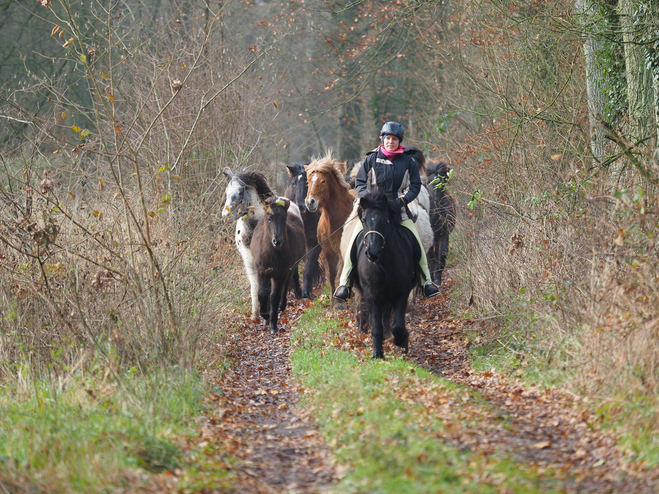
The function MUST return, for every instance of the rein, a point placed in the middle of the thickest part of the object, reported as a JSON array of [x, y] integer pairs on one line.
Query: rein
[[321, 243]]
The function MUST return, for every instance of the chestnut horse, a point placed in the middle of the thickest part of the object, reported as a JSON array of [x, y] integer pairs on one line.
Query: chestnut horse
[[330, 194]]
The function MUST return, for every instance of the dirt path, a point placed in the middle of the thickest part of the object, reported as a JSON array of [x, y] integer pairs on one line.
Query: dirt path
[[549, 430], [278, 447]]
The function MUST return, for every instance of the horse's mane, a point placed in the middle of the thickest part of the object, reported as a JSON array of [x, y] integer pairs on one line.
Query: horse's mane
[[297, 167], [256, 180], [328, 165], [419, 157], [376, 199]]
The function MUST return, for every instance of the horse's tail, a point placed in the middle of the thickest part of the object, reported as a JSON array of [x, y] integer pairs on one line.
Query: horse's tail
[[419, 157]]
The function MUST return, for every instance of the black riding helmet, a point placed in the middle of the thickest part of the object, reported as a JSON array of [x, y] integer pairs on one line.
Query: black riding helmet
[[394, 129]]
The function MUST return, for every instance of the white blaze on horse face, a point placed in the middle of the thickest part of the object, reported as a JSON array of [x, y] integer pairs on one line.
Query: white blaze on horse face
[[233, 193]]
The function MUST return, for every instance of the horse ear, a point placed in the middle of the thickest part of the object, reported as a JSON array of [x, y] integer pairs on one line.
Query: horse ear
[[284, 202], [227, 172], [268, 209], [292, 170]]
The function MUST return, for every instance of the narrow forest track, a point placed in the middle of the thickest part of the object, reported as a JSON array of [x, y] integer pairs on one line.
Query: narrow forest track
[[277, 446], [547, 429]]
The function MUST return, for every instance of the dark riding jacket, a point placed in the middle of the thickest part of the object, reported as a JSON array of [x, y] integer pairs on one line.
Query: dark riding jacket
[[396, 177]]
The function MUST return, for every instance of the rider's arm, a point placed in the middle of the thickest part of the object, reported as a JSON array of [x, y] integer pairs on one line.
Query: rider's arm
[[415, 182], [362, 178]]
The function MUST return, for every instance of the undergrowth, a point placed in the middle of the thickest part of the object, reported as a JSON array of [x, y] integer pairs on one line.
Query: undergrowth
[[89, 433]]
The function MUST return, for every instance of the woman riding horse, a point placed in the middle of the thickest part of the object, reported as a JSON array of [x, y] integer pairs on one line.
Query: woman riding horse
[[397, 175]]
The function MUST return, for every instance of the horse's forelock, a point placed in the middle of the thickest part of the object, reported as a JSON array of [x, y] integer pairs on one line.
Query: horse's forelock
[[328, 166]]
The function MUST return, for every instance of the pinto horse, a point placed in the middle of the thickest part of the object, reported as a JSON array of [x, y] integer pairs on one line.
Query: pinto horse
[[330, 194], [277, 244], [442, 217], [387, 268], [297, 192], [245, 193]]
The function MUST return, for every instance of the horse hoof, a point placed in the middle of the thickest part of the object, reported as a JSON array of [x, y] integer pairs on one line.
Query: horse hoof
[[274, 330], [306, 295], [378, 356]]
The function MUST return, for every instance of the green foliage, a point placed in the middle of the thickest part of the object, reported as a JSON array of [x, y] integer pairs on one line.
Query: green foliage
[[94, 430]]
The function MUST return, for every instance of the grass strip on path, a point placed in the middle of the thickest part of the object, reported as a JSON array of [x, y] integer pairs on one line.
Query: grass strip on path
[[396, 427]]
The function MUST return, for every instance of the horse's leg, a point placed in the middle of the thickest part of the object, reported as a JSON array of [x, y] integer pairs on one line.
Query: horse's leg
[[275, 297], [334, 265], [443, 254], [284, 292], [376, 331], [264, 297], [296, 283], [362, 315], [433, 262], [310, 271], [401, 336], [248, 262]]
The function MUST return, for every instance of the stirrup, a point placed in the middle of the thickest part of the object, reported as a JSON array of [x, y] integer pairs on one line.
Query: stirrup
[[430, 290], [343, 293]]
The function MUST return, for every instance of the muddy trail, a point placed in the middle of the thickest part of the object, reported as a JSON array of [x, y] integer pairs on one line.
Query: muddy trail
[[279, 448], [277, 445]]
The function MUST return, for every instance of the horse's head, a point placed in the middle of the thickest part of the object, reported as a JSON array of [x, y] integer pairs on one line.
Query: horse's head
[[245, 193], [377, 214], [324, 176], [438, 174], [237, 203], [298, 185], [276, 212], [318, 192]]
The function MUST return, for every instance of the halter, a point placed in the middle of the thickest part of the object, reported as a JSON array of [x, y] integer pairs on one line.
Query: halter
[[384, 240]]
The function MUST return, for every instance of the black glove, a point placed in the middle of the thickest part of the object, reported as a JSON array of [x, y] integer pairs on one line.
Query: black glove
[[400, 202]]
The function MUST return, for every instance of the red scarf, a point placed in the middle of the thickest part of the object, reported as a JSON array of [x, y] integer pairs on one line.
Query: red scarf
[[391, 154]]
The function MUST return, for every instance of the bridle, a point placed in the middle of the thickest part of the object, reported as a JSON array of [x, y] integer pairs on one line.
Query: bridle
[[384, 240]]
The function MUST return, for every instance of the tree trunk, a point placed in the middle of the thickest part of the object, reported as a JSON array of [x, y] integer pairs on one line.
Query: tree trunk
[[640, 92], [592, 45]]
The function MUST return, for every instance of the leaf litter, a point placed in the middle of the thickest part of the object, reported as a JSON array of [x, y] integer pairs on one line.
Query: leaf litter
[[275, 444], [278, 448]]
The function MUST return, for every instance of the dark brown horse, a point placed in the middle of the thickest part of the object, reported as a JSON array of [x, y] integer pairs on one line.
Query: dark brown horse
[[277, 244], [329, 193], [442, 217], [297, 192]]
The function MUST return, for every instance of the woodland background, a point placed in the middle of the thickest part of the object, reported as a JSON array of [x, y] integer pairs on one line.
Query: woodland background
[[117, 119]]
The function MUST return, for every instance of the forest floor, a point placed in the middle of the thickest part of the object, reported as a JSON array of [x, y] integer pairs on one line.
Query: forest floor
[[278, 447]]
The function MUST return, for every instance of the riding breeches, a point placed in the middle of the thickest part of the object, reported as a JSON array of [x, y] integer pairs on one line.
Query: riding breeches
[[347, 262]]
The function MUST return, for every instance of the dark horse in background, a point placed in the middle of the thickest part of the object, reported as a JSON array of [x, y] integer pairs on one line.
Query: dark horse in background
[[387, 260], [442, 217], [277, 244], [297, 192]]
